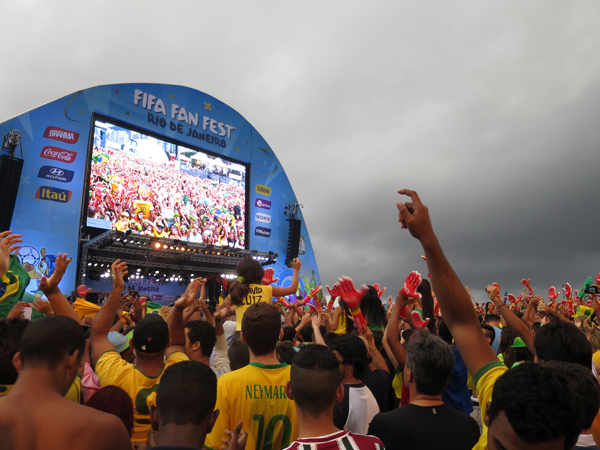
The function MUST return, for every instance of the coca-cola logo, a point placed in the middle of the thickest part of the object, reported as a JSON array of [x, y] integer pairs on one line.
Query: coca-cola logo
[[70, 137], [58, 154]]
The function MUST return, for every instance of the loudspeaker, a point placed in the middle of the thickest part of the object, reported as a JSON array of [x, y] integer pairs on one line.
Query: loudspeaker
[[293, 241], [10, 177]]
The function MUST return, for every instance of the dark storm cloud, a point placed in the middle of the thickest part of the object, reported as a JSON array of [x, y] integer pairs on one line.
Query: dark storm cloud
[[488, 109]]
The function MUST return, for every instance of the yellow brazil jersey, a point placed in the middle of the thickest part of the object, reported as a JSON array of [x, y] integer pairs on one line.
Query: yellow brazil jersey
[[341, 325], [484, 381], [113, 370], [74, 393], [258, 293], [255, 394]]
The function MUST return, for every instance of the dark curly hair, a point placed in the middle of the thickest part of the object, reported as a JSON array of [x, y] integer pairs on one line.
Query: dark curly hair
[[203, 332], [539, 404]]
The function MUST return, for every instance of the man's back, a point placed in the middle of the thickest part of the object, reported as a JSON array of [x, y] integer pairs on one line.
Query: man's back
[[29, 421], [256, 395], [113, 370], [335, 441], [425, 427]]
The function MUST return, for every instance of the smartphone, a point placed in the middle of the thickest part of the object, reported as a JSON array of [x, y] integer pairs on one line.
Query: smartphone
[[592, 290]]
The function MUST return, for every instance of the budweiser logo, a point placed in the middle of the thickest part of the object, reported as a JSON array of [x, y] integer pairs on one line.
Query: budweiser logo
[[70, 137], [58, 154]]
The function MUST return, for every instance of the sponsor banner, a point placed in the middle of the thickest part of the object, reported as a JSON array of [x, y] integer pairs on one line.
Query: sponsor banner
[[53, 194], [262, 203], [56, 174], [260, 189], [58, 154], [70, 137], [263, 232], [262, 217], [156, 297]]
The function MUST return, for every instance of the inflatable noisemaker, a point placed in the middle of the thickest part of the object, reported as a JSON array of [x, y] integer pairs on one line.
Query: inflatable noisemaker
[[352, 299], [497, 286], [378, 289], [83, 291], [520, 297], [436, 308], [283, 301], [552, 294], [598, 279], [334, 293], [568, 290], [418, 319], [525, 282], [511, 298], [587, 283]]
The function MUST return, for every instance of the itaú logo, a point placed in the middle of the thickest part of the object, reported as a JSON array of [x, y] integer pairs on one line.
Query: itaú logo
[[58, 154], [53, 194]]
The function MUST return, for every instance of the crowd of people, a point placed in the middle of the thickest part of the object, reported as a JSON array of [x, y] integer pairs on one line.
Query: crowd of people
[[160, 200], [432, 370]]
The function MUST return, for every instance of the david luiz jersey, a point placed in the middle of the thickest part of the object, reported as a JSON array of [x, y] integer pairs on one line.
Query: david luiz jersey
[[258, 293], [112, 370], [342, 440], [255, 394]]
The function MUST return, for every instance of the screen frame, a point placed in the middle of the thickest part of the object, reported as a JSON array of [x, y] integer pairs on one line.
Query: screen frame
[[84, 228]]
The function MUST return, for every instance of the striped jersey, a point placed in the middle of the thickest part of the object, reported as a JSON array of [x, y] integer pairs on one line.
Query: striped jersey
[[342, 440]]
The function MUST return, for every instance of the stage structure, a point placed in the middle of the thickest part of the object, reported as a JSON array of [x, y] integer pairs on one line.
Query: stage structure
[[167, 178]]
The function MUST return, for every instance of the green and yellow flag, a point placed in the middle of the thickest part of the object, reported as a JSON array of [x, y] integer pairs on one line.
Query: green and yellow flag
[[12, 286]]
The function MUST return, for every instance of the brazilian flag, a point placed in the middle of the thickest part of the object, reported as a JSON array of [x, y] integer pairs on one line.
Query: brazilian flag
[[103, 157], [12, 286], [152, 308]]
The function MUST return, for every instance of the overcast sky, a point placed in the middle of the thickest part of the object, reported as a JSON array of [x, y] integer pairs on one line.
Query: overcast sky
[[490, 110]]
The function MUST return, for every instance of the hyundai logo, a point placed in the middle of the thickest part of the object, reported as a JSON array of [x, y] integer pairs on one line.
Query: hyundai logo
[[56, 171]]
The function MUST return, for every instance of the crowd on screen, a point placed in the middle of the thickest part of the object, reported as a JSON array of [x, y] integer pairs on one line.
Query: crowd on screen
[[157, 199], [427, 369]]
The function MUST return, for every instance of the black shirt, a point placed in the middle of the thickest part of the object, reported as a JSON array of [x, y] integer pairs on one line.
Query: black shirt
[[425, 427], [380, 384]]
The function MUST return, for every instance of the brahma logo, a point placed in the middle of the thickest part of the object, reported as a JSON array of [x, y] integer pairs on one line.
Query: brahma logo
[[56, 174], [156, 297], [260, 217], [263, 232], [261, 203], [58, 154], [54, 194], [58, 134], [260, 189]]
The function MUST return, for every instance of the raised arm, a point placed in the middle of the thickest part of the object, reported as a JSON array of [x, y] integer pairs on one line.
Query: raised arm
[[393, 332], [452, 297], [511, 319], [283, 291], [176, 324], [8, 244], [104, 319], [49, 286]]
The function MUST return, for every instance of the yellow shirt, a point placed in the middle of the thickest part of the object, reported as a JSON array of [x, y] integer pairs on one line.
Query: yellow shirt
[[341, 325], [256, 395], [5, 389], [113, 370], [74, 393], [258, 293], [484, 381]]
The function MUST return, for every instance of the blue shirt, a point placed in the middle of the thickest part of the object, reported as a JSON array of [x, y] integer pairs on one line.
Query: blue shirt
[[456, 395], [496, 343]]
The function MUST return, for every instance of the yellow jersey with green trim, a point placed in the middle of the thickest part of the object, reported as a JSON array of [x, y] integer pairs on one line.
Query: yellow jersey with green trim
[[258, 293], [74, 392], [112, 370], [255, 394], [5, 389], [484, 381]]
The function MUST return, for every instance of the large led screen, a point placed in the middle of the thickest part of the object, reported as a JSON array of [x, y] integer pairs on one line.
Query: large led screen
[[146, 185]]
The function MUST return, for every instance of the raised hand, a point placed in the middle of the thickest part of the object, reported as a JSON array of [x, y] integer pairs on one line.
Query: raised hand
[[511, 298], [409, 290], [378, 289], [118, 270], [17, 310], [83, 291], [418, 320], [50, 285], [43, 307], [568, 290], [296, 265], [334, 291], [315, 291], [415, 216], [268, 277], [352, 298], [8, 244], [189, 295], [236, 439], [526, 282], [552, 294]]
